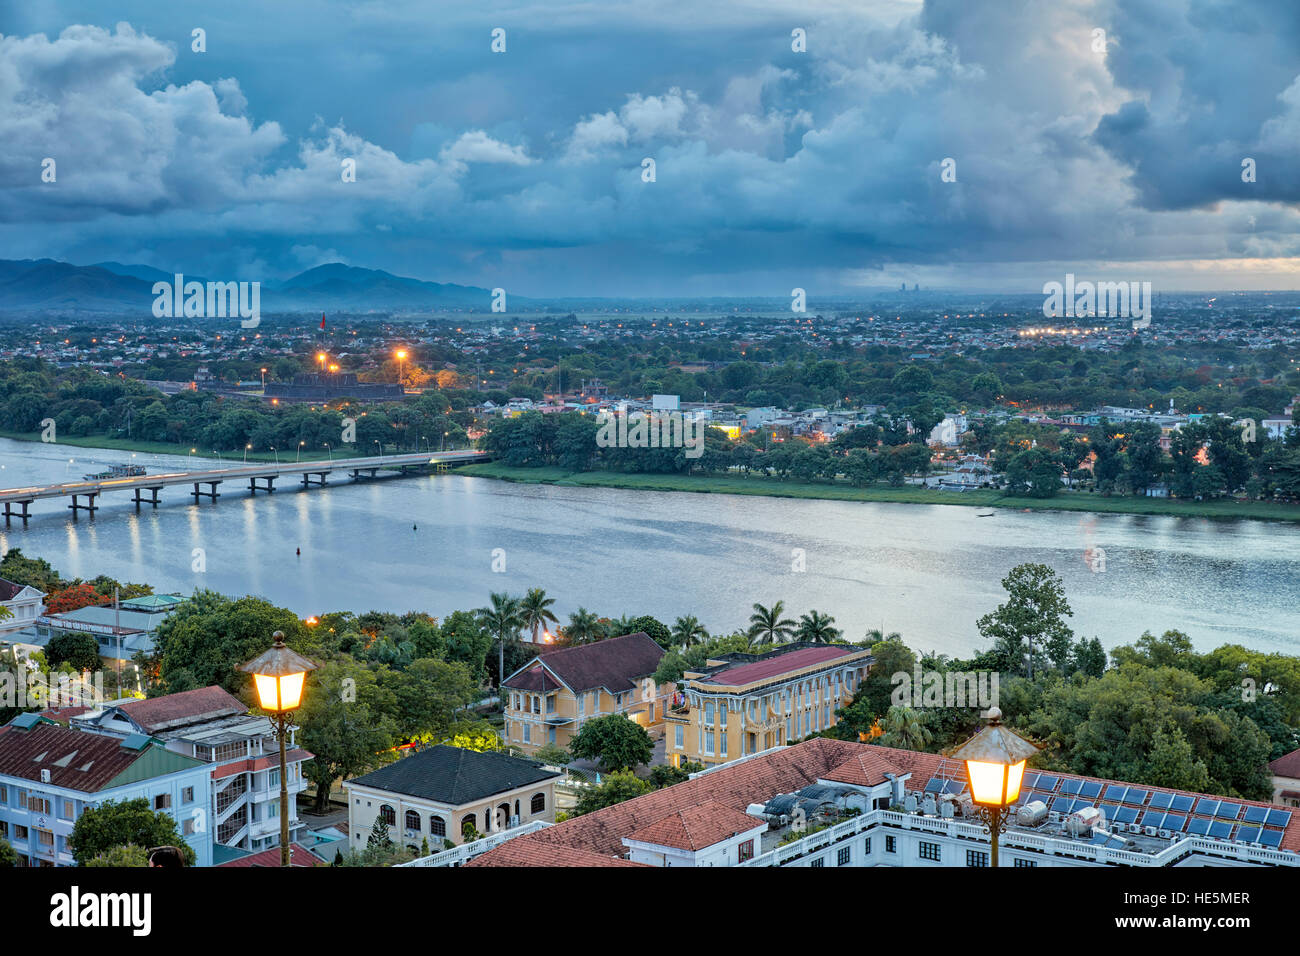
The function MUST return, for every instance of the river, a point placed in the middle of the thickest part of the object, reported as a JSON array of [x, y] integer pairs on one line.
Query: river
[[926, 571]]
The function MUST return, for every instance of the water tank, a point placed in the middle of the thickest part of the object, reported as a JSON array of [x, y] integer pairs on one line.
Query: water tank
[[1032, 813], [1082, 821], [756, 810]]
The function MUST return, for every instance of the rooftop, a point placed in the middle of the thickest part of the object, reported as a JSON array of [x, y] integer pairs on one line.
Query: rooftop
[[454, 776], [615, 664], [82, 761], [750, 669]]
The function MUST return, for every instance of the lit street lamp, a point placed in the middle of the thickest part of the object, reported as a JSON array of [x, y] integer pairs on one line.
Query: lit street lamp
[[278, 677], [995, 764], [247, 448], [330, 451], [300, 444], [401, 359]]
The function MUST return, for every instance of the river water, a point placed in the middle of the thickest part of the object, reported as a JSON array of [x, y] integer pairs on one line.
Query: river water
[[926, 571]]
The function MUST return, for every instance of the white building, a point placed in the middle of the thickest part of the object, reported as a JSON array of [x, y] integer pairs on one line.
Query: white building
[[24, 604]]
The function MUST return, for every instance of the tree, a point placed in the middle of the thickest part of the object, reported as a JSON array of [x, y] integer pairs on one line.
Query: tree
[[613, 741], [129, 855], [1035, 472], [115, 824], [905, 729], [74, 598], [1035, 612], [503, 619], [616, 788], [551, 754], [653, 628], [767, 626], [535, 611], [687, 631], [817, 628], [583, 627], [1173, 764], [379, 838], [78, 651], [430, 694], [8, 857], [665, 775]]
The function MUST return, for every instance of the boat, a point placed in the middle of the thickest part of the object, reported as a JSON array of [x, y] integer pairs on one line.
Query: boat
[[985, 514], [117, 471]]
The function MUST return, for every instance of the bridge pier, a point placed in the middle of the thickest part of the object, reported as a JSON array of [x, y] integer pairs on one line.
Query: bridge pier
[[318, 480], [90, 505], [357, 476], [153, 490], [254, 487], [210, 493], [10, 513]]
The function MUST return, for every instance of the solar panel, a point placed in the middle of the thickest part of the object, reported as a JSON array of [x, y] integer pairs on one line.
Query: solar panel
[[1071, 787], [1220, 829], [1198, 826], [1116, 793], [1256, 814], [1029, 781], [934, 786], [1091, 790], [1247, 835], [1175, 821], [1135, 796], [1109, 809], [1228, 811], [1161, 801], [954, 786], [1047, 783], [1182, 803], [1207, 806], [1061, 804], [1279, 818], [1153, 818], [1271, 837], [1126, 815]]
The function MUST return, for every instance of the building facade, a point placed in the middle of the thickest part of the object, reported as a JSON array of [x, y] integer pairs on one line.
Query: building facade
[[553, 695], [24, 604], [746, 703]]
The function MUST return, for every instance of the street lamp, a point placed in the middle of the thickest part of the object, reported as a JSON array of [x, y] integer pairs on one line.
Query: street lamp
[[264, 380], [995, 764], [320, 357], [330, 451], [401, 359], [247, 448], [278, 677], [276, 454], [300, 444]]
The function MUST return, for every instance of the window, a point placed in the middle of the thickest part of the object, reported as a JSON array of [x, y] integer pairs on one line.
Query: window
[[38, 805], [819, 862], [45, 838], [69, 809], [867, 847], [930, 851], [438, 826], [537, 705], [528, 733], [4, 796], [745, 851], [723, 739], [162, 801], [1026, 863], [538, 803], [976, 858], [273, 779], [678, 737], [708, 742], [891, 844], [550, 735], [388, 815], [708, 712], [20, 832], [582, 704], [412, 820], [187, 795], [187, 826], [842, 858]]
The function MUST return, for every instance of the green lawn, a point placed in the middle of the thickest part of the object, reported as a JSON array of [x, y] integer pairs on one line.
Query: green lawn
[[711, 484]]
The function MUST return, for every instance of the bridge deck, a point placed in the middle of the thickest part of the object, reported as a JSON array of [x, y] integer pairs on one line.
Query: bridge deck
[[261, 470]]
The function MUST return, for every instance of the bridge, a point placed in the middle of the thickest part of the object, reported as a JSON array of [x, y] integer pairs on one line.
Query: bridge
[[85, 495]]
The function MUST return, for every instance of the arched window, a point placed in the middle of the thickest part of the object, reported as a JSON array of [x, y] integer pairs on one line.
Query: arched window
[[388, 815], [438, 826], [516, 808], [539, 803], [468, 822], [412, 820]]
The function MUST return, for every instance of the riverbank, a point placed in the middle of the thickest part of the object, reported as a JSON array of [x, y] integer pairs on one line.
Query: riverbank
[[166, 448], [840, 491]]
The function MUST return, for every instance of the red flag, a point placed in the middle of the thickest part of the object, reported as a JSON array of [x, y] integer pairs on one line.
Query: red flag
[[322, 320]]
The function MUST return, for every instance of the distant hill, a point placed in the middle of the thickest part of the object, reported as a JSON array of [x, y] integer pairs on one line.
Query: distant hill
[[39, 284]]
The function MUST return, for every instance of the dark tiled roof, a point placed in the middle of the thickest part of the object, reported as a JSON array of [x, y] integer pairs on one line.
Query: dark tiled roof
[[1286, 766], [454, 775], [535, 678], [614, 663], [9, 590], [75, 759], [778, 663], [177, 710]]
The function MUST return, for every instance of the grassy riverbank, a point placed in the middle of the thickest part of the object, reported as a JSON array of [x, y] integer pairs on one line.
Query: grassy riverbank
[[165, 448], [735, 485]]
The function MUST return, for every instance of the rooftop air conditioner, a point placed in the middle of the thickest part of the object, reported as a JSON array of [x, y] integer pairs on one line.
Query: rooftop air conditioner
[[45, 776], [1150, 831], [1165, 834]]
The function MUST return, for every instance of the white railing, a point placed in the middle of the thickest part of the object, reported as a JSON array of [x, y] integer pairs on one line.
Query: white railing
[[467, 851]]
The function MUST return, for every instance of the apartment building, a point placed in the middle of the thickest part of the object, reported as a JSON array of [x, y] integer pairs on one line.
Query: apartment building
[[238, 749], [746, 703], [49, 776], [553, 695], [832, 803]]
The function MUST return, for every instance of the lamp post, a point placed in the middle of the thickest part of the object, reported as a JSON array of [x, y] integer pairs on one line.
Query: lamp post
[[401, 361], [300, 444], [278, 677], [247, 448], [995, 764]]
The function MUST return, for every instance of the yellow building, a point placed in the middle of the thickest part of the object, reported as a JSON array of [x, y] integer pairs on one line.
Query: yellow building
[[742, 704], [554, 694]]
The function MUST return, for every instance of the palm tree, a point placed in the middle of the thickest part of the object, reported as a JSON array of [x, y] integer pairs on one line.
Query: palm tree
[[904, 729], [584, 627], [876, 635], [818, 628], [766, 626], [688, 631], [503, 620], [536, 610]]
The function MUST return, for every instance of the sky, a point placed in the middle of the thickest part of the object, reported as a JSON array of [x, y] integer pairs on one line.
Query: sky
[[967, 146]]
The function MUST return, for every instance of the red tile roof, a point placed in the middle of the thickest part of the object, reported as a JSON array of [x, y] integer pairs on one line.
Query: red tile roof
[[864, 770], [614, 663], [298, 856], [754, 671], [176, 710], [518, 853], [75, 759], [1287, 765], [697, 827]]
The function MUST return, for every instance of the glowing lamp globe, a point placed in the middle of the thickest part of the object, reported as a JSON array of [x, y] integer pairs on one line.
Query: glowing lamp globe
[[995, 763], [278, 676]]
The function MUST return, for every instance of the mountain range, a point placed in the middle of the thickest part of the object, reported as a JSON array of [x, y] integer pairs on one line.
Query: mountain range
[[29, 285]]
